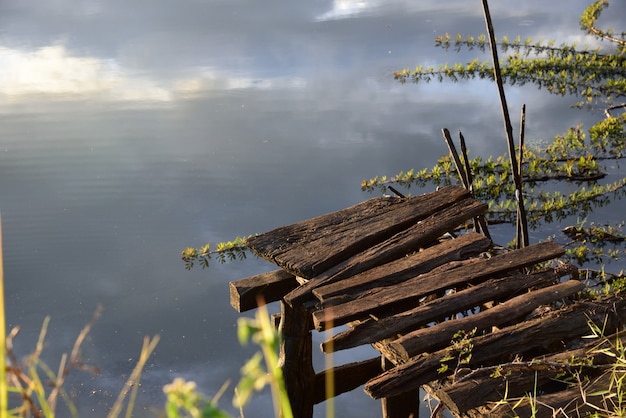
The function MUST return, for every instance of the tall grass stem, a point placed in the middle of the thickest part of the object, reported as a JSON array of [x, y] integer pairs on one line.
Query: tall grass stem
[[4, 403]]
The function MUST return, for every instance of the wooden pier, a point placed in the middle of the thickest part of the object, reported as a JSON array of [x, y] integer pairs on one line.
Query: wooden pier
[[469, 322]]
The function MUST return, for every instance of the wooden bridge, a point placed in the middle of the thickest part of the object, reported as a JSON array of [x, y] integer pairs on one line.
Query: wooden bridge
[[471, 323]]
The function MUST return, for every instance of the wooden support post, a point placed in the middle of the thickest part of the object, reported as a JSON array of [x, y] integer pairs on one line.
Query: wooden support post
[[296, 357], [405, 405]]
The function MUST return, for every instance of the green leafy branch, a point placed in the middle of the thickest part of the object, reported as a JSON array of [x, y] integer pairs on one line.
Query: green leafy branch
[[569, 157], [597, 244], [231, 250], [588, 23], [566, 69]]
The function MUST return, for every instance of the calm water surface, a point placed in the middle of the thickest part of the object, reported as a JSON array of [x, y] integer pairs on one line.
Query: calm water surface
[[130, 131]]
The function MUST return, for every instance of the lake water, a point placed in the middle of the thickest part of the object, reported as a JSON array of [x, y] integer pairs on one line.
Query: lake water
[[131, 131]]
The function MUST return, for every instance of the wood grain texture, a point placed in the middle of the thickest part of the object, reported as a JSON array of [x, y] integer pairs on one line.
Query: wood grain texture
[[371, 330], [399, 245], [246, 294], [410, 291], [310, 247]]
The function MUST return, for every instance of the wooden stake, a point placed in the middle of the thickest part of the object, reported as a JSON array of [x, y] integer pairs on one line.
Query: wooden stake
[[296, 357], [507, 120], [480, 223], [465, 174], [522, 227]]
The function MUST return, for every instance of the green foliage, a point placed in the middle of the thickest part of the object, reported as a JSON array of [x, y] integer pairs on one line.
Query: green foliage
[[230, 250], [459, 351], [184, 401], [592, 75], [566, 158], [563, 69], [254, 375], [609, 401]]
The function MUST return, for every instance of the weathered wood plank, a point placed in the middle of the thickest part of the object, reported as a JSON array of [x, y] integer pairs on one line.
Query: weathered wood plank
[[376, 300], [439, 335], [346, 377], [310, 247], [402, 243], [266, 287], [396, 271], [480, 387], [568, 403], [539, 334], [370, 330]]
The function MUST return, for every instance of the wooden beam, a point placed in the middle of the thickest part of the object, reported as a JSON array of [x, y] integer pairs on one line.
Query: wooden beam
[[568, 402], [346, 377], [404, 268], [439, 335], [310, 247], [296, 358], [370, 331], [245, 294], [410, 239], [518, 378], [543, 333], [410, 291]]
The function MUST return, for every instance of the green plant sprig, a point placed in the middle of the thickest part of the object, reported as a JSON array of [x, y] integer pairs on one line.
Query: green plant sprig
[[229, 250], [459, 351]]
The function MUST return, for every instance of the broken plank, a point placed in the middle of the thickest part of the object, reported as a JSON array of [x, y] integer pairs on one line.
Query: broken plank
[[370, 331], [397, 246], [410, 291], [438, 335], [468, 245], [245, 294], [576, 401], [480, 386], [310, 247], [538, 334]]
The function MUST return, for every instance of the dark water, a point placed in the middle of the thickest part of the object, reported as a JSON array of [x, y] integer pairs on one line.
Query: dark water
[[130, 131]]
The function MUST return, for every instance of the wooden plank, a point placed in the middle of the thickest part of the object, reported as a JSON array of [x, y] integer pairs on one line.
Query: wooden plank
[[399, 245], [370, 331], [346, 377], [539, 334], [404, 268], [568, 402], [376, 300], [245, 294], [310, 247], [480, 387], [439, 335]]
